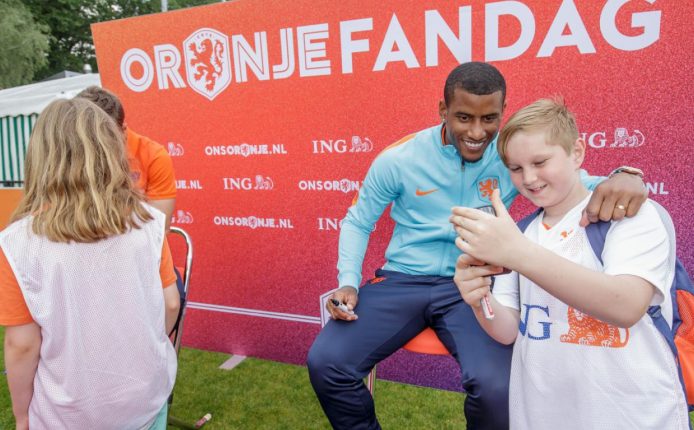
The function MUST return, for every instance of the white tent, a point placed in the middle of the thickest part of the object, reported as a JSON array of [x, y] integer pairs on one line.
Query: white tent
[[19, 108]]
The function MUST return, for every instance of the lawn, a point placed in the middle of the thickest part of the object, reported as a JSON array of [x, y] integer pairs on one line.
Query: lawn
[[260, 394]]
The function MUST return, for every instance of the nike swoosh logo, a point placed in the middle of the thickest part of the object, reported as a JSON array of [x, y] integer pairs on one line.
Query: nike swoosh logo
[[424, 193]]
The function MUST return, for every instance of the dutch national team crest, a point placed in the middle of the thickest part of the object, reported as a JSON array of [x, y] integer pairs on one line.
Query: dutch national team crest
[[207, 62], [486, 186]]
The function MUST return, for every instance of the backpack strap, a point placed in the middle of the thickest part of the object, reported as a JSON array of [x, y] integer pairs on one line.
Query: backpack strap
[[525, 222], [597, 232]]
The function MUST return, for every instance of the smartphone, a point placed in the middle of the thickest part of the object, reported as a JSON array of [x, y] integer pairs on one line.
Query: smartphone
[[490, 210]]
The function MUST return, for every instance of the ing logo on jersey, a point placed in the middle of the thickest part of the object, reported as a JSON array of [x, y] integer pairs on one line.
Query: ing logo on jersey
[[486, 186], [589, 331]]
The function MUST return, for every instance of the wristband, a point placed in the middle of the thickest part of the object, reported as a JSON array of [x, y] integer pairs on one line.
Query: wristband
[[627, 169]]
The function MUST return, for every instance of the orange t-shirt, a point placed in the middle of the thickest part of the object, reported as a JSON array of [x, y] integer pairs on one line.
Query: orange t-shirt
[[151, 168], [13, 308]]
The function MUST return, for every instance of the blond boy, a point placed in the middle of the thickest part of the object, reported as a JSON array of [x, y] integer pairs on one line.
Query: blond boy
[[586, 354]]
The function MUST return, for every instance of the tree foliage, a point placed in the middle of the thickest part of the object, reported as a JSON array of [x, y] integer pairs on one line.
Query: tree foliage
[[23, 44], [71, 44]]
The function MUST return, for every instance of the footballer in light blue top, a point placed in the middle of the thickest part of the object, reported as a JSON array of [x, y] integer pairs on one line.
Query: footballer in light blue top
[[423, 178]]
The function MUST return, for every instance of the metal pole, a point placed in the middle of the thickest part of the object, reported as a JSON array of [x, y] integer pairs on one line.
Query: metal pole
[[164, 5]]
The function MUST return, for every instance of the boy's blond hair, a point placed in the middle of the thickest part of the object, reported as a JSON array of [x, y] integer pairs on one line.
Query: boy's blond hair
[[77, 180], [548, 115]]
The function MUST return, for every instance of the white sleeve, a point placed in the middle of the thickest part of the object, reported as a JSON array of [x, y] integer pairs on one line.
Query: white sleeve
[[506, 290], [640, 246]]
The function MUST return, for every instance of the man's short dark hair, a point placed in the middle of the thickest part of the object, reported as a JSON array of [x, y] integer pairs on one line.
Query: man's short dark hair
[[106, 100], [476, 78]]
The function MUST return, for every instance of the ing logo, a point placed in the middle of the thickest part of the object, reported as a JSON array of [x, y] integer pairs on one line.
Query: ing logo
[[622, 139], [175, 149], [207, 62], [263, 183], [259, 182], [342, 146], [361, 145], [182, 217]]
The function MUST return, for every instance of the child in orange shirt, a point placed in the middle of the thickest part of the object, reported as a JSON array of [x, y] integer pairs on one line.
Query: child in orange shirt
[[82, 266]]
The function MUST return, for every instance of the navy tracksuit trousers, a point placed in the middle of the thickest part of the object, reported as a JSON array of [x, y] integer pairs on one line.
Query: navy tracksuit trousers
[[391, 312]]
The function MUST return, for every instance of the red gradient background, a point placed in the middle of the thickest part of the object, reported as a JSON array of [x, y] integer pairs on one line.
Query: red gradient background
[[258, 275]]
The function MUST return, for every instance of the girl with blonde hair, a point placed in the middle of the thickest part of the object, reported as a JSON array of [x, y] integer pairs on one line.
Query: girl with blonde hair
[[82, 268]]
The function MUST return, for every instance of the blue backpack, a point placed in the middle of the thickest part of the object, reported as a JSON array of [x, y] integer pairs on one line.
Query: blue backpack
[[681, 336]]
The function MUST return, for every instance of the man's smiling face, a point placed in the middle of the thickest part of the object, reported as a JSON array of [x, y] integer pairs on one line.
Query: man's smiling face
[[472, 121]]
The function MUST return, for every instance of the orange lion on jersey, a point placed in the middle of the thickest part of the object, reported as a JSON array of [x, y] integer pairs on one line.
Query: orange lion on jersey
[[487, 186], [586, 330]]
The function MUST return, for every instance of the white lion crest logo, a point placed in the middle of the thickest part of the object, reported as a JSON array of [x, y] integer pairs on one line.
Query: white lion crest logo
[[207, 62]]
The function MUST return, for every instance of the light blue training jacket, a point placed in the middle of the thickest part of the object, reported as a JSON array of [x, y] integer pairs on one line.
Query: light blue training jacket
[[424, 179]]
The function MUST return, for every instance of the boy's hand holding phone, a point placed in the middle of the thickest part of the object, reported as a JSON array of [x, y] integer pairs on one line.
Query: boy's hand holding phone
[[495, 240], [473, 279]]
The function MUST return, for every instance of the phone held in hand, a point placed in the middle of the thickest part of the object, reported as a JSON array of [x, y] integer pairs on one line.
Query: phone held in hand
[[484, 302], [490, 210]]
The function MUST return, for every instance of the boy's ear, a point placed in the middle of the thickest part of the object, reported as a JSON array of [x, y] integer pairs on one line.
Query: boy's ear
[[579, 151]]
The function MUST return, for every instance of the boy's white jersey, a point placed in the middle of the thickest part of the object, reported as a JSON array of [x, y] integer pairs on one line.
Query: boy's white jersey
[[572, 371], [105, 360]]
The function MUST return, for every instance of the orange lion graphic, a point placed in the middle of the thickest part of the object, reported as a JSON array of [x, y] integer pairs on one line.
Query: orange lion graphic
[[586, 330], [207, 61], [487, 186]]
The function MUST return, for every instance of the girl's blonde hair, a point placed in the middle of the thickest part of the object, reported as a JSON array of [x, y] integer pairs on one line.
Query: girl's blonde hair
[[77, 181]]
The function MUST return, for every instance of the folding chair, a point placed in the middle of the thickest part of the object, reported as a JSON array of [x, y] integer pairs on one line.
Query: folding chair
[[184, 272], [177, 332], [426, 342]]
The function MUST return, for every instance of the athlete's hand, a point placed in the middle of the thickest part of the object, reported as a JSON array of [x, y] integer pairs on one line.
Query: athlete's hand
[[614, 198], [493, 239], [473, 278], [346, 296]]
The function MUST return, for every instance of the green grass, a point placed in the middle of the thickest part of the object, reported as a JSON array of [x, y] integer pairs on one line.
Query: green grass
[[260, 394]]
